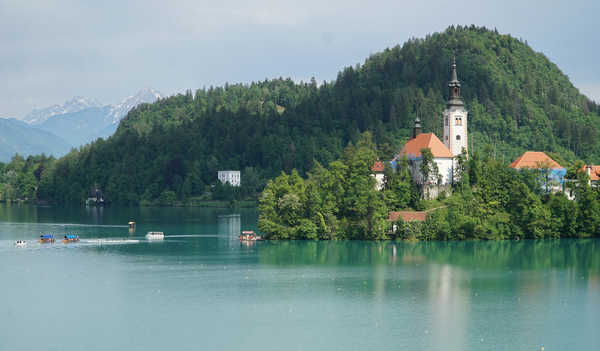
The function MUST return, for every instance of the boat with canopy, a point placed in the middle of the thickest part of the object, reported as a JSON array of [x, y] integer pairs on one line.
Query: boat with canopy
[[47, 238]]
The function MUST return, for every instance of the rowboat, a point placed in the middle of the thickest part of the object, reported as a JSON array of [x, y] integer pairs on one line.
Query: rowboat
[[47, 238], [249, 235], [70, 238]]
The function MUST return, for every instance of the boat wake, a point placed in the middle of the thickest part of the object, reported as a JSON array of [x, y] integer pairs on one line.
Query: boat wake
[[192, 236], [110, 241], [65, 224]]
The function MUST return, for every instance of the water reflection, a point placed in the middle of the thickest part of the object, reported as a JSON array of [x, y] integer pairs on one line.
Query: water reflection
[[318, 295], [229, 225], [568, 254]]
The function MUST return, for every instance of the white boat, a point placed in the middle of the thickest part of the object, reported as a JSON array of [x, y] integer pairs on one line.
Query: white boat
[[21, 243], [155, 236]]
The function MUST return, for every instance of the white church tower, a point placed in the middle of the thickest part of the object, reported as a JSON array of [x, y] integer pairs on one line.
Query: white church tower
[[455, 118]]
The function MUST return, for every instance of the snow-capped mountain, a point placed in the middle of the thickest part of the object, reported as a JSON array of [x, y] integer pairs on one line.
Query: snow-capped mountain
[[81, 120], [118, 111], [76, 104]]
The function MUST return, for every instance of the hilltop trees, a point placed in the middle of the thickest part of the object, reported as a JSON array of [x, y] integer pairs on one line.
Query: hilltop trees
[[517, 100]]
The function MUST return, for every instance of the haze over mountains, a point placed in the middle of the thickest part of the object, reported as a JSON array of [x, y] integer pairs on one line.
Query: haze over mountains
[[55, 129]]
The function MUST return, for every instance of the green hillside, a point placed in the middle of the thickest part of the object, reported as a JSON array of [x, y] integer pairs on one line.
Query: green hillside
[[518, 100]]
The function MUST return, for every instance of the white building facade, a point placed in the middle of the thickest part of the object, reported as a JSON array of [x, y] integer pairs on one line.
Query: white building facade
[[231, 177]]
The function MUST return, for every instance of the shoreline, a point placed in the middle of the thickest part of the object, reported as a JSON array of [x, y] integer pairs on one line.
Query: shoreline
[[201, 204]]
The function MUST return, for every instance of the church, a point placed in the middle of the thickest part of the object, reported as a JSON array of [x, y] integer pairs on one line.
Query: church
[[445, 153]]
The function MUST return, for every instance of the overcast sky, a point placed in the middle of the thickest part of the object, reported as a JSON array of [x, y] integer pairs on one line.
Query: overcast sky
[[53, 50]]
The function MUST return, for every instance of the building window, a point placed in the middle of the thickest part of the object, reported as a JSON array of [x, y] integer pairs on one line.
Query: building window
[[446, 137], [446, 120], [458, 137], [458, 121]]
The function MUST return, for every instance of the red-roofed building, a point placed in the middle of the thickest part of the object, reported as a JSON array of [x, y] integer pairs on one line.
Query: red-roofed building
[[377, 172], [444, 152], [407, 216], [535, 160], [539, 160], [378, 167], [442, 157], [593, 173], [412, 149]]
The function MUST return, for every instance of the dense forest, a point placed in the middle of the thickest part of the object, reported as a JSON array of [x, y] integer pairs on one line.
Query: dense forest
[[491, 201], [517, 100]]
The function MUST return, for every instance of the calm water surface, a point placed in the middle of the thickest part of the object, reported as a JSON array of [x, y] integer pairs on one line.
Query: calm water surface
[[201, 289]]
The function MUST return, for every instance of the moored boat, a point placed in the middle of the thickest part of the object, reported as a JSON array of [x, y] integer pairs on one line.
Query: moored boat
[[20, 243], [70, 238], [249, 235], [47, 238], [155, 236]]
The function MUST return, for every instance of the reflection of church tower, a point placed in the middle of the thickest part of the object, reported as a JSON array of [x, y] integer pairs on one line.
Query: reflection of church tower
[[455, 118]]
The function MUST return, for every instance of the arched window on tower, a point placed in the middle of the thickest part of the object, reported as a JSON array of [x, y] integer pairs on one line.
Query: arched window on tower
[[446, 121], [458, 121], [458, 137]]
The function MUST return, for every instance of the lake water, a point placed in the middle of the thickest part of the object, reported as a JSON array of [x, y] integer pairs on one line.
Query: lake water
[[200, 289]]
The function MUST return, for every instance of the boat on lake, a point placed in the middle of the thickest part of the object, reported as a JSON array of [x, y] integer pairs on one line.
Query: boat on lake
[[155, 236], [47, 238], [70, 238], [249, 235], [20, 243]]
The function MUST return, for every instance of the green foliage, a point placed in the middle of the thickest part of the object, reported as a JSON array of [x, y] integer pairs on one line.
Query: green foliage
[[518, 100], [336, 203], [501, 203], [19, 179]]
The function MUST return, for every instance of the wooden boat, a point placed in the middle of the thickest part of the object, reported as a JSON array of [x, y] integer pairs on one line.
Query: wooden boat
[[155, 236], [249, 235], [47, 238], [70, 238]]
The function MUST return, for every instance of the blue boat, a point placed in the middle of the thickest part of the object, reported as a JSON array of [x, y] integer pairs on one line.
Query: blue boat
[[47, 238], [70, 238]]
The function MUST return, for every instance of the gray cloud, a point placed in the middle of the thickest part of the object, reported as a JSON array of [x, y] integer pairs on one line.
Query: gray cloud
[[52, 50]]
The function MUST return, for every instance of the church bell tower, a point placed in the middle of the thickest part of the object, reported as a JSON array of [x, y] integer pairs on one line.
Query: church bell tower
[[455, 118]]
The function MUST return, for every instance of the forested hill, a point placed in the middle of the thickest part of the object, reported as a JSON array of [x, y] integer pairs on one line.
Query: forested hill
[[518, 100]]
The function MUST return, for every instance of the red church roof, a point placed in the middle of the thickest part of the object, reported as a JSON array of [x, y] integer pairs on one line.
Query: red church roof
[[407, 216], [533, 159], [413, 147]]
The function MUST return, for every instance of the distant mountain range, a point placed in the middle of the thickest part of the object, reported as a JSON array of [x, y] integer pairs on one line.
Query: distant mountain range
[[19, 137], [72, 124]]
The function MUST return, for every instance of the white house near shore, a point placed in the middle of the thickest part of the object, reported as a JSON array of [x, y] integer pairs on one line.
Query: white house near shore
[[231, 177]]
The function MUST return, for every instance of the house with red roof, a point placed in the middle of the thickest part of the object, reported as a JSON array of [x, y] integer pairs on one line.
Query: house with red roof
[[540, 161], [535, 160], [377, 172], [406, 216], [593, 173]]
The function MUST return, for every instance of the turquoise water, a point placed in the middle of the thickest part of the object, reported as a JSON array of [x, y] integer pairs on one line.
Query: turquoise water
[[200, 289]]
